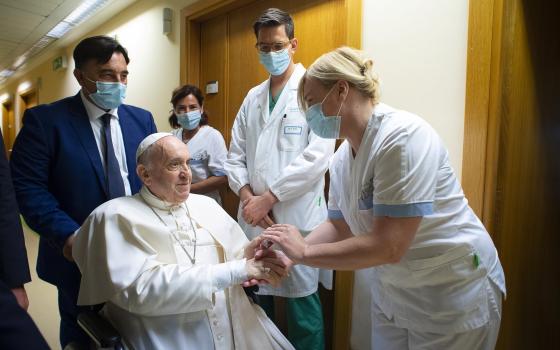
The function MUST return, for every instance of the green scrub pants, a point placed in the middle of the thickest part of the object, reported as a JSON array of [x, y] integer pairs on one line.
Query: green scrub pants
[[305, 320]]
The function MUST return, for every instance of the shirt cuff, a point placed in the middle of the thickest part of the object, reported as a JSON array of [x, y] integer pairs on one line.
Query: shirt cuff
[[403, 210], [335, 214], [236, 186], [228, 274]]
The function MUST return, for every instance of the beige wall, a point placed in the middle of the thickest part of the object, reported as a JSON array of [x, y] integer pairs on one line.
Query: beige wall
[[419, 49], [420, 53]]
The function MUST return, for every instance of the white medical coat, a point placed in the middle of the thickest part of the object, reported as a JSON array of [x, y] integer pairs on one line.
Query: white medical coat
[[154, 295], [278, 151], [402, 169]]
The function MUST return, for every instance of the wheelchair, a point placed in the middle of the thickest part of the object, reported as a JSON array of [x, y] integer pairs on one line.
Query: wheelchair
[[105, 336], [101, 332]]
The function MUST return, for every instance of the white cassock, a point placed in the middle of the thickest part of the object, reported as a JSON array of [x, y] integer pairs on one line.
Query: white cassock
[[135, 254]]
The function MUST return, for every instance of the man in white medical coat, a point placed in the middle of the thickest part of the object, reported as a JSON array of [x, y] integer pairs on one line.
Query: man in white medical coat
[[168, 263], [277, 165]]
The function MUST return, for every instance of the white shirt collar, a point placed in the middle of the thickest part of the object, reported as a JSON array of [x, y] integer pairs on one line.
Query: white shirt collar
[[155, 202], [93, 111]]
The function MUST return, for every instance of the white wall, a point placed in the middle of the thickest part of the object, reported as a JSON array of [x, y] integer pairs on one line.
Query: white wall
[[154, 57], [419, 49], [154, 66], [420, 52]]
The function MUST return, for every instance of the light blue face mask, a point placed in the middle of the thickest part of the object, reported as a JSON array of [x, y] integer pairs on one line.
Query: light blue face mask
[[109, 95], [275, 62], [327, 127], [189, 120]]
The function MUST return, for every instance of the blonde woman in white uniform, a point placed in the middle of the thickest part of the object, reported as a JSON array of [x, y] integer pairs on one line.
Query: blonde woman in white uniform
[[206, 144], [395, 205]]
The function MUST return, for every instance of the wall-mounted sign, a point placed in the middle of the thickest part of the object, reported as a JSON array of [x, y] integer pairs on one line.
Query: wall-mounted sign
[[212, 87], [59, 63]]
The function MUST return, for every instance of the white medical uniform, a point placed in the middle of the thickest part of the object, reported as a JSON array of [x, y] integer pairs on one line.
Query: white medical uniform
[[137, 262], [450, 281], [277, 151], [208, 153]]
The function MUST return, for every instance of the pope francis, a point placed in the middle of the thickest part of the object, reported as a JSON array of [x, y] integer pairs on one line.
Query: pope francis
[[168, 264]]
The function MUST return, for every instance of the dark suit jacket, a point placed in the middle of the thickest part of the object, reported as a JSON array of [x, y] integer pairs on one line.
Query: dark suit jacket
[[59, 179], [17, 330], [14, 270]]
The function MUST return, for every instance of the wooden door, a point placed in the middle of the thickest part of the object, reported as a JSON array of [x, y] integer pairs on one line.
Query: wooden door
[[512, 162], [8, 126], [30, 99], [27, 99], [5, 126], [219, 46], [228, 55]]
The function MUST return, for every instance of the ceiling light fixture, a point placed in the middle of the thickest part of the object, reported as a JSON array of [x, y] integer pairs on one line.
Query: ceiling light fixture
[[80, 14], [6, 73]]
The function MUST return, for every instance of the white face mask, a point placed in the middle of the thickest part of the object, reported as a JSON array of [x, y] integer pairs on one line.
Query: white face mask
[[109, 95], [190, 120], [275, 62], [327, 127]]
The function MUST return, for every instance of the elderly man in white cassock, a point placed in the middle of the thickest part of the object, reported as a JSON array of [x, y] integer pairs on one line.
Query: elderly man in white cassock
[[168, 264]]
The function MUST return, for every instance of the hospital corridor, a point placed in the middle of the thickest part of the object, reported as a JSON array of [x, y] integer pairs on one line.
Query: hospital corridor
[[279, 174]]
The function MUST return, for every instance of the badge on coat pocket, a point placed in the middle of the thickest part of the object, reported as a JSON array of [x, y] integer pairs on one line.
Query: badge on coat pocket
[[293, 130]]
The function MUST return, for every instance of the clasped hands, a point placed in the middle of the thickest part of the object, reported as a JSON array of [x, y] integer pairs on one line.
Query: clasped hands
[[265, 265], [257, 209]]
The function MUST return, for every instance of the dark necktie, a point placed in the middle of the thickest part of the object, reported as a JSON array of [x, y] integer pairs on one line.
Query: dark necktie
[[115, 184]]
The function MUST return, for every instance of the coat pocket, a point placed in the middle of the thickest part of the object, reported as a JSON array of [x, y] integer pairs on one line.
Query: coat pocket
[[293, 134], [451, 291]]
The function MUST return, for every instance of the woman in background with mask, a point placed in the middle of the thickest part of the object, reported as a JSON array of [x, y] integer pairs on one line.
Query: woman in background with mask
[[206, 144], [396, 205]]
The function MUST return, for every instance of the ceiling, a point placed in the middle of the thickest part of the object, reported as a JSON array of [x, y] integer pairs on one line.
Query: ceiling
[[25, 23]]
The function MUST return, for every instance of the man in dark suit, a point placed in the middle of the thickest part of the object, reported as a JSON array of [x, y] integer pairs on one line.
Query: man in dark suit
[[73, 155], [17, 330]]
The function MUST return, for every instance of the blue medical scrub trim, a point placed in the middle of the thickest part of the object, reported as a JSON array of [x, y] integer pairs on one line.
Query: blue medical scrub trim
[[366, 203], [219, 173], [403, 210], [335, 214]]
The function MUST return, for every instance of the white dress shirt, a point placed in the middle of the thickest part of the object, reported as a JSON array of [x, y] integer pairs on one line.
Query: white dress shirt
[[94, 115]]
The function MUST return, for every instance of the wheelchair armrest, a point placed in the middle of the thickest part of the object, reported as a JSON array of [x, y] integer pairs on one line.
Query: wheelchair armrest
[[251, 293], [99, 329]]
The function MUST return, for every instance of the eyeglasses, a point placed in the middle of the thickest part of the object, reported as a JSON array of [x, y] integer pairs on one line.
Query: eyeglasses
[[268, 47]]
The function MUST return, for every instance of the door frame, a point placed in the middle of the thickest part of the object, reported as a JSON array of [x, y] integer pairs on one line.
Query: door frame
[[482, 107], [5, 101], [191, 18], [21, 105]]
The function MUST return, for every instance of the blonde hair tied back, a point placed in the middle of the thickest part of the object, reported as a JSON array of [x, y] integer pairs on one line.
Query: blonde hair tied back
[[344, 63]]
